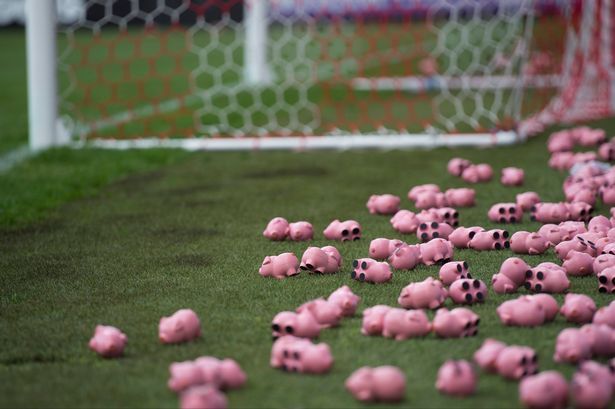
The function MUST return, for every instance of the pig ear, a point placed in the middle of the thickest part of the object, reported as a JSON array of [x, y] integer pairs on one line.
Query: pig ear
[[178, 325], [267, 260]]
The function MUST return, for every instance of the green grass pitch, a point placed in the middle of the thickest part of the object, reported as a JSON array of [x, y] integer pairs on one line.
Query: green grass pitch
[[123, 238]]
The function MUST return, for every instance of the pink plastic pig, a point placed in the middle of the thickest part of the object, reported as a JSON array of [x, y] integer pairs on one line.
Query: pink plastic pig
[[381, 249], [572, 346], [511, 276], [456, 166], [579, 210], [546, 390], [224, 373], [561, 160], [572, 228], [428, 293], [548, 278], [457, 323], [505, 213], [490, 240], [326, 314], [578, 308], [294, 354], [345, 299], [606, 280], [281, 266], [605, 315], [221, 373], [343, 231], [607, 194], [606, 151], [560, 141], [405, 222], [427, 200], [447, 215], [526, 200], [371, 271], [468, 291], [602, 262], [379, 384], [300, 231], [549, 212], [553, 233], [486, 356], [599, 224], [108, 341], [477, 173], [373, 319], [401, 324], [591, 389], [471, 174], [523, 312], [597, 370], [461, 197], [416, 190], [433, 230], [586, 136], [203, 397], [302, 325], [454, 270], [182, 326], [485, 172], [523, 242], [515, 362], [326, 260], [601, 338], [184, 375], [578, 264], [456, 378], [564, 247], [277, 229], [436, 251], [548, 304], [383, 204], [405, 257], [512, 176], [461, 236]]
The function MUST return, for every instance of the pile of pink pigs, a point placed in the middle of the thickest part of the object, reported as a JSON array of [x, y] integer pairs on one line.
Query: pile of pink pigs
[[584, 244]]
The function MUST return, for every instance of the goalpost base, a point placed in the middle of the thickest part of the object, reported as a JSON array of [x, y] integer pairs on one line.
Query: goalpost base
[[374, 141]]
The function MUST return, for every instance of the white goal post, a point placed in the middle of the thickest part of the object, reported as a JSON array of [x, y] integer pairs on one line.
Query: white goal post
[[312, 74]]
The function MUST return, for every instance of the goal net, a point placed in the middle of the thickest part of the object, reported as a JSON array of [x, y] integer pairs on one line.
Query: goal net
[[238, 73]]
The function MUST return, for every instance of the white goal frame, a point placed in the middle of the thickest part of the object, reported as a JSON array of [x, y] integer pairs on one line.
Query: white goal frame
[[45, 129]]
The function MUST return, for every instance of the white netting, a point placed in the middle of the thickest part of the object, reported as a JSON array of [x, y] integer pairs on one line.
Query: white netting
[[176, 68]]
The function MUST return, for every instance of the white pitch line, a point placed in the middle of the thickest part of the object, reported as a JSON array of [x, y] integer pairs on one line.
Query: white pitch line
[[14, 157], [439, 82], [404, 141], [167, 106]]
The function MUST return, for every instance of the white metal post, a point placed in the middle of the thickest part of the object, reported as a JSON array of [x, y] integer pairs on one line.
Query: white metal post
[[42, 80], [256, 70]]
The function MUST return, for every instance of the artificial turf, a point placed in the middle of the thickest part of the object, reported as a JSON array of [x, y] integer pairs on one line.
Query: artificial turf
[[123, 238], [188, 234], [13, 100]]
